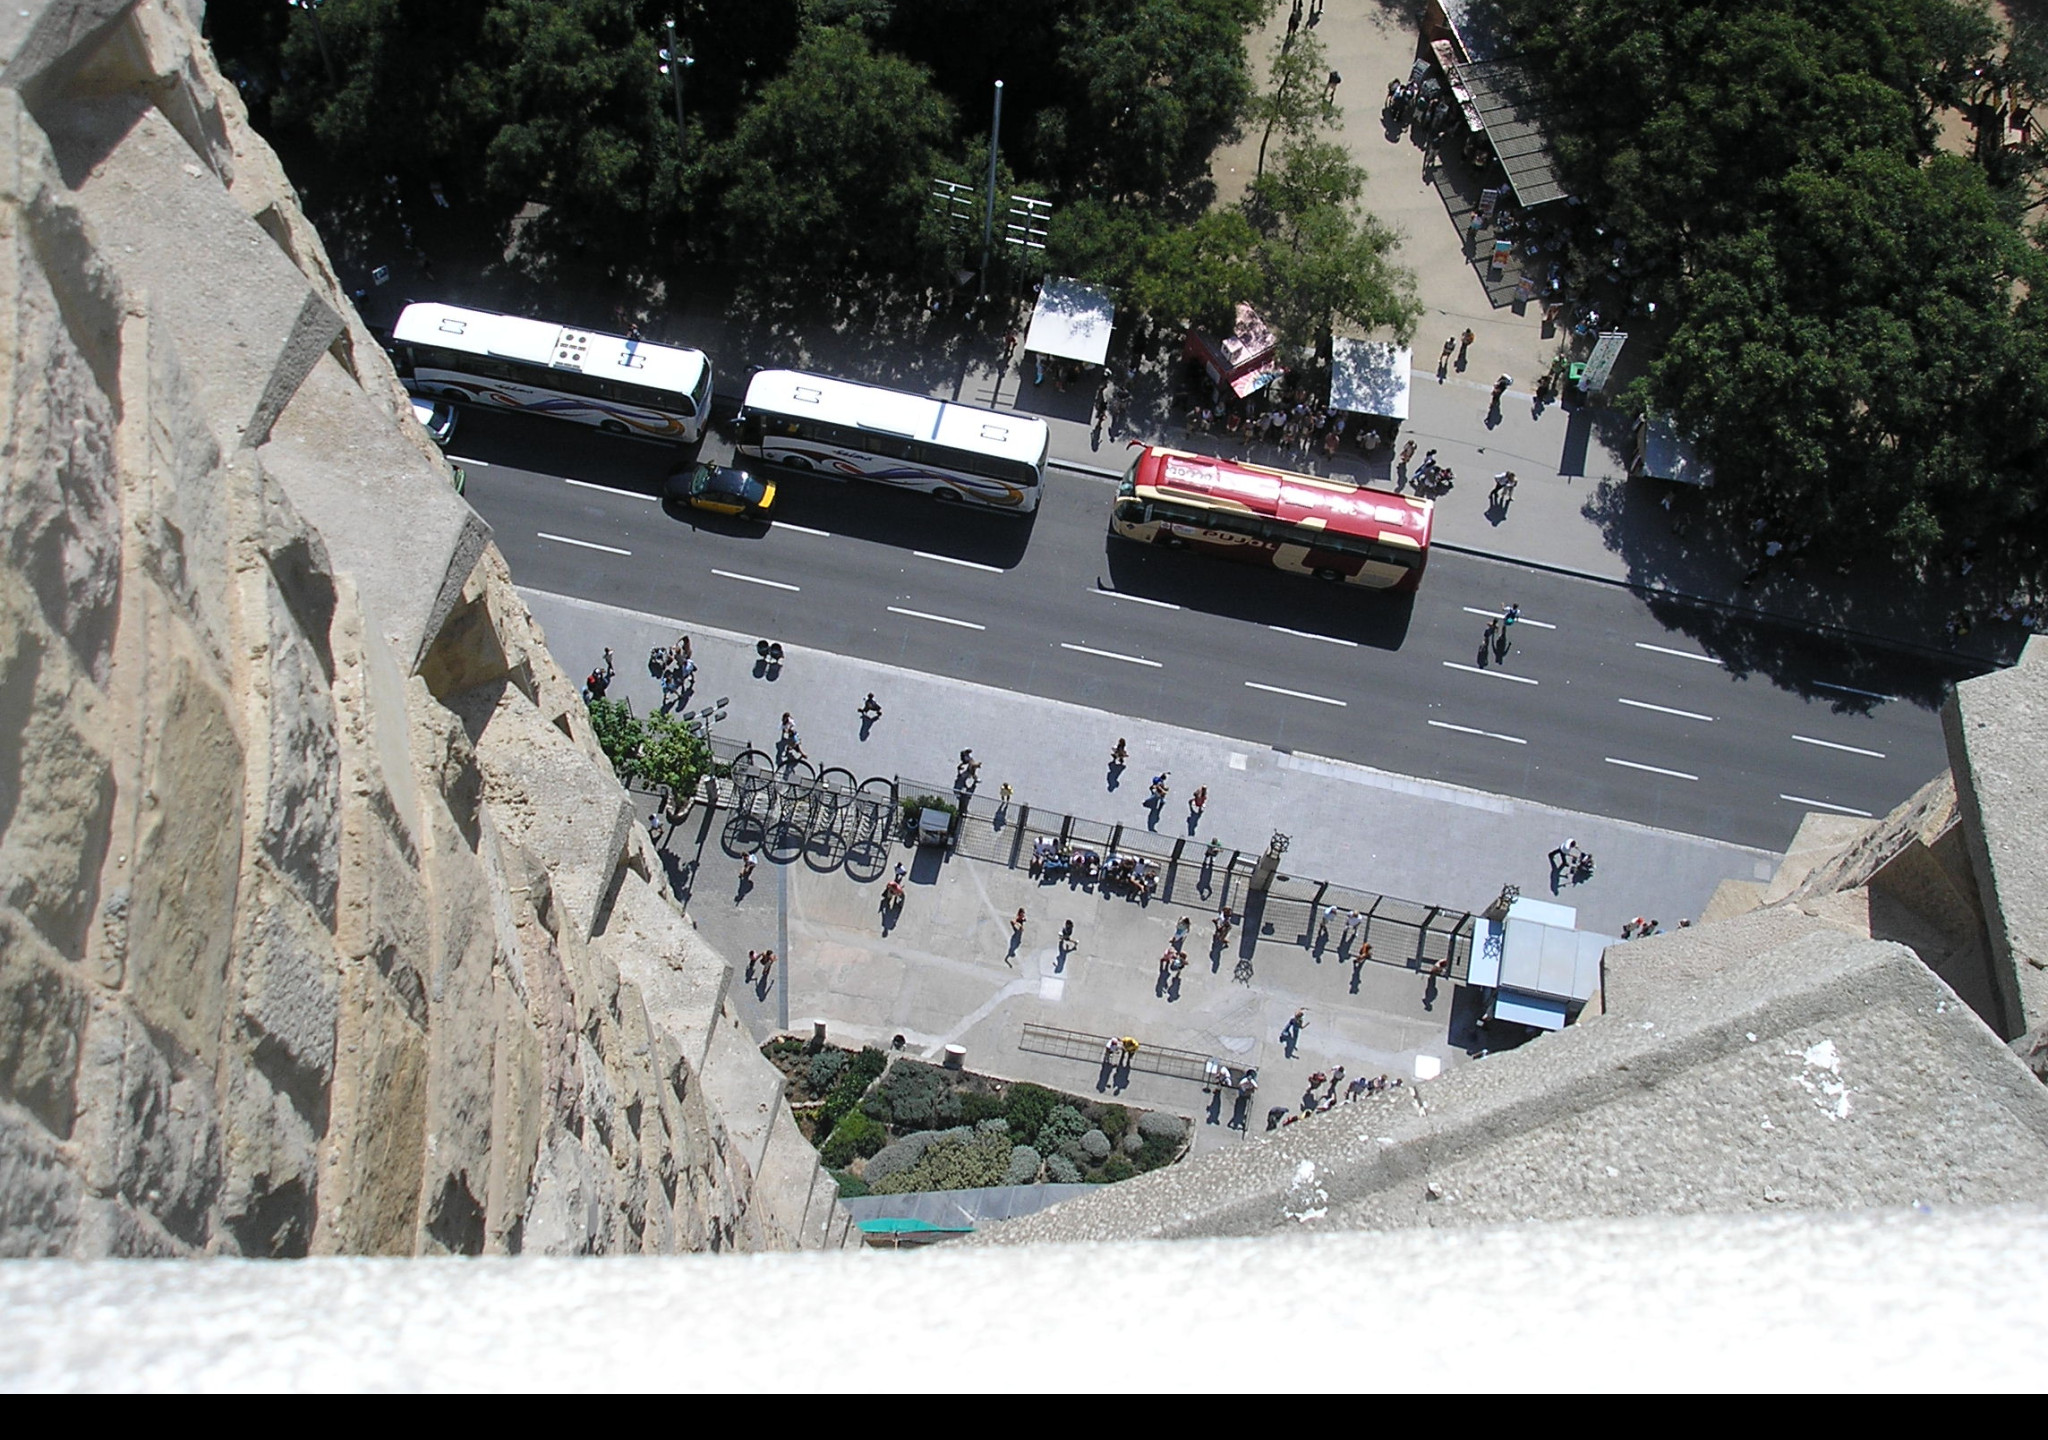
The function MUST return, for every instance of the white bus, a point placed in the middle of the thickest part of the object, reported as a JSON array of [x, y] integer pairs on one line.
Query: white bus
[[954, 452], [629, 387]]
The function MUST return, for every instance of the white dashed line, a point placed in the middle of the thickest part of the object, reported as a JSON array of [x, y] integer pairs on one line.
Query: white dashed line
[[801, 529], [1666, 710], [1305, 635], [1852, 690], [611, 490], [1501, 614], [1137, 599], [582, 544], [1681, 654], [939, 619], [1824, 805], [1494, 674], [1653, 769], [955, 560], [1297, 694], [465, 460], [757, 580], [1831, 745], [1112, 655], [1489, 734]]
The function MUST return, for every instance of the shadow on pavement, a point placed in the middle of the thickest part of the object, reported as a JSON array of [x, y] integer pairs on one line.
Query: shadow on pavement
[[549, 447], [1262, 596], [907, 520]]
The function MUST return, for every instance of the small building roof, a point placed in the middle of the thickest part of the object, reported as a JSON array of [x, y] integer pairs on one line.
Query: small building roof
[[1510, 111], [1370, 377], [1071, 322]]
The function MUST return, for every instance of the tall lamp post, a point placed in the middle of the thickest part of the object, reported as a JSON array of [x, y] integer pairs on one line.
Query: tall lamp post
[[312, 9], [673, 63]]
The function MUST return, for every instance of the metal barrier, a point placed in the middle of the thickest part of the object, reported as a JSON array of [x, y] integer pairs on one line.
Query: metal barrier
[[1079, 1045]]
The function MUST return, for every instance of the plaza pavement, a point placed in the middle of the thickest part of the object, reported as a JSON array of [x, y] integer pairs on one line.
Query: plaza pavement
[[943, 972]]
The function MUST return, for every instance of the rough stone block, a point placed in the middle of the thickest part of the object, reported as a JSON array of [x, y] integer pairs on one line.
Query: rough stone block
[[40, 1190], [147, 1132], [43, 1007]]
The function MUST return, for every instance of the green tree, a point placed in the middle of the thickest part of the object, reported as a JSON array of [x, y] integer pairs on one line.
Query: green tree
[[1296, 102], [830, 168], [619, 733], [1321, 261], [674, 754]]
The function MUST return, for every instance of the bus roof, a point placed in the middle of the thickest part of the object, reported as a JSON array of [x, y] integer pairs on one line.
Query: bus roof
[[842, 402], [1344, 508], [558, 347]]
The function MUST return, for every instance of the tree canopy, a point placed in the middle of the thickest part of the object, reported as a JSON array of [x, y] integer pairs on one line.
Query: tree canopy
[[1855, 332]]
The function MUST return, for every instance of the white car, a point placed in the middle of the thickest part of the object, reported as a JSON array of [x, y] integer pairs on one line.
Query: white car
[[438, 416]]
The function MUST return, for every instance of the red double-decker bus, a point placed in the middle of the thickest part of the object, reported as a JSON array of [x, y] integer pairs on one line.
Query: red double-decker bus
[[1331, 529]]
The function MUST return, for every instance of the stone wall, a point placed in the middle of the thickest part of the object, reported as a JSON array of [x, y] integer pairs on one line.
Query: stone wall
[[324, 925]]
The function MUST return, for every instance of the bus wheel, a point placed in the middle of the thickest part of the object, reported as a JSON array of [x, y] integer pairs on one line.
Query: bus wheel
[[1328, 574], [1171, 541], [614, 427], [795, 462], [449, 392], [945, 496]]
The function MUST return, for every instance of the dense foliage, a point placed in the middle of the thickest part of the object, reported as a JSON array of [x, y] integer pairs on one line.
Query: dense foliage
[[1858, 326]]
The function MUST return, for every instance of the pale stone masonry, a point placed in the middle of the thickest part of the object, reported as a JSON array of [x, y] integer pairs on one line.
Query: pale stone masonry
[[324, 925]]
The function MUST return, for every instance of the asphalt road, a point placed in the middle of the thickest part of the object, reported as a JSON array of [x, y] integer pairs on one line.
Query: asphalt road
[[1655, 712]]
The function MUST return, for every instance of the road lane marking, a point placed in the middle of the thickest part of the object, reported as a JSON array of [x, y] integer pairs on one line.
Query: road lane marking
[[1667, 710], [1852, 690], [1653, 769], [1502, 615], [1496, 674], [1831, 745], [1112, 655], [940, 619], [1681, 654], [611, 490], [465, 460], [585, 544], [1306, 635], [1489, 734], [1824, 805], [955, 560], [1297, 694], [757, 580], [800, 529], [1138, 599]]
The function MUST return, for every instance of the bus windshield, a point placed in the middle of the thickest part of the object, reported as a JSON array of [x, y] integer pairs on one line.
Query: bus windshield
[[615, 382], [1328, 528], [839, 428]]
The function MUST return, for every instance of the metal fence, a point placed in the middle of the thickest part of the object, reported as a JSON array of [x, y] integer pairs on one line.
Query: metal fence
[[1079, 1045]]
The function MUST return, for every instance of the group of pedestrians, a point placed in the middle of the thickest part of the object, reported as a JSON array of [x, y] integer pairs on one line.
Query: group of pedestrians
[[673, 667]]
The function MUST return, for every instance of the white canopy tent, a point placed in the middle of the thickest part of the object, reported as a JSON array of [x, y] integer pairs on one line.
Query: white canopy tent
[[1072, 321], [1370, 377], [1539, 966]]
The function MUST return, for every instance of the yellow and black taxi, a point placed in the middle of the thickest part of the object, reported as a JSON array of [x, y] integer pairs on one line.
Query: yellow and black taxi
[[721, 489]]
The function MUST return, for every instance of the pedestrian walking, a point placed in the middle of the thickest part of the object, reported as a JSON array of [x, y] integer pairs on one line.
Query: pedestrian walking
[[1004, 793], [768, 959], [1561, 856], [1113, 1051], [1198, 801], [1009, 343], [1159, 784], [1510, 615], [746, 869], [1465, 345], [1120, 756], [1352, 920], [753, 962], [870, 709], [1503, 487], [1299, 1022], [1129, 1047], [1180, 932], [1443, 361], [1017, 924]]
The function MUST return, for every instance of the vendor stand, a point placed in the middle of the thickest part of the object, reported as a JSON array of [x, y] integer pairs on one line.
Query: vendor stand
[[1242, 361], [1372, 379]]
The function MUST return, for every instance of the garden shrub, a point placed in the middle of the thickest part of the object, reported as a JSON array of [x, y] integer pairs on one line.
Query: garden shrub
[[1131, 1144], [854, 1078], [893, 1160], [949, 1163], [1096, 1145], [1159, 1125], [916, 1094], [1116, 1168], [993, 1125], [854, 1135], [979, 1105], [851, 1187], [1026, 1106], [1112, 1120], [825, 1068], [1064, 1126], [1024, 1166], [1062, 1171]]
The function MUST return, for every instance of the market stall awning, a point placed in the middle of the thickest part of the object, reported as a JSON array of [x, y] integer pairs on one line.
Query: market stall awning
[[1511, 113], [1370, 377], [1071, 322], [1533, 1010]]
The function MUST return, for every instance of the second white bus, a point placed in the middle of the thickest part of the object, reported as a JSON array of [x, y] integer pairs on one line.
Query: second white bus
[[626, 386], [953, 452]]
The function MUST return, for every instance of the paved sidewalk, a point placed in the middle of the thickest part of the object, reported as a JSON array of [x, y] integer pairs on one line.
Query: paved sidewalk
[[945, 974]]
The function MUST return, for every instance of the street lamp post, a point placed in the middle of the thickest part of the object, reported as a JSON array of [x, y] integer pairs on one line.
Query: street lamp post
[[673, 64], [312, 9], [988, 211]]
